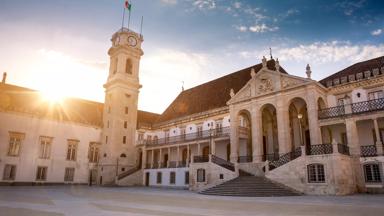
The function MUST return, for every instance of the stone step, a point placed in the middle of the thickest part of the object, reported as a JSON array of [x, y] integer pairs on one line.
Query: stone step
[[250, 186]]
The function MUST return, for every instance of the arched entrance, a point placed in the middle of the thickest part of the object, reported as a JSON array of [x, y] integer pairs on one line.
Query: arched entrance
[[298, 121], [269, 129], [245, 136]]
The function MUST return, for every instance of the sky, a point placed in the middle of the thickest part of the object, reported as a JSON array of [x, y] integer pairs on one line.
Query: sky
[[60, 46]]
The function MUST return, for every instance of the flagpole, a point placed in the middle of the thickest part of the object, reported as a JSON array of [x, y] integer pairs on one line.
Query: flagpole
[[129, 17], [122, 22], [141, 25]]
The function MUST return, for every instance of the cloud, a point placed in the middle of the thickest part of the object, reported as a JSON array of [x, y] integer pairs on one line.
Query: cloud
[[237, 5], [349, 6], [322, 52], [170, 2], [260, 28], [242, 28], [204, 4], [377, 32]]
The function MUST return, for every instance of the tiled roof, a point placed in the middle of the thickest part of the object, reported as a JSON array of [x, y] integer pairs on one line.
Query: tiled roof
[[210, 95], [18, 99], [356, 71]]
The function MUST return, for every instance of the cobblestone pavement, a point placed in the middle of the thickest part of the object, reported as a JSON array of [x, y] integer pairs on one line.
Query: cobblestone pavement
[[83, 201]]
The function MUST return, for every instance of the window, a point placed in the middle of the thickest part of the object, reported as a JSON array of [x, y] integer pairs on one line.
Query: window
[[221, 176], [115, 61], [186, 179], [125, 124], [9, 172], [124, 139], [93, 152], [109, 109], [15, 139], [128, 66], [126, 110], [69, 174], [316, 173], [106, 139], [158, 179], [199, 131], [375, 95], [108, 124], [201, 175], [372, 173], [123, 155], [172, 178], [41, 174], [45, 147], [149, 137], [71, 152], [140, 136]]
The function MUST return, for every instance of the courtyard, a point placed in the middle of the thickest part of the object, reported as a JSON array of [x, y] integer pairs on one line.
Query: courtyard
[[84, 200]]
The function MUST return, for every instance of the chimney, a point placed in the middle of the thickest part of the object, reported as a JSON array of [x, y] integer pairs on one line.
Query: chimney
[[4, 77]]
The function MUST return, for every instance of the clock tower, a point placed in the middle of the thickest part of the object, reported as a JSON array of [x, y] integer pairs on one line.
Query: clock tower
[[120, 106]]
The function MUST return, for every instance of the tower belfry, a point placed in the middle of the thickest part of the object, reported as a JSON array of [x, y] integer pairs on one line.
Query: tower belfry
[[120, 105]]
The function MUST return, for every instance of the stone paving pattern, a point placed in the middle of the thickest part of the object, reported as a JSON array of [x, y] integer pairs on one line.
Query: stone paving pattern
[[115, 201]]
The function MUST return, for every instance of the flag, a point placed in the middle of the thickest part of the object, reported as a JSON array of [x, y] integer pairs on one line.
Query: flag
[[128, 5]]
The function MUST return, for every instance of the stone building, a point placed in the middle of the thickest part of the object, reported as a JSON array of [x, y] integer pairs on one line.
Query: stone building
[[308, 136]]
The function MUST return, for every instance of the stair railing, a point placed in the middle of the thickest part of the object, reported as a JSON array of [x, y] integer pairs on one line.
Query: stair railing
[[223, 163], [285, 158], [129, 172]]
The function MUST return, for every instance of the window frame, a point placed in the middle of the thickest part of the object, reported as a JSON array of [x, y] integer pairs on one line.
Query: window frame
[[41, 173], [69, 174], [45, 147], [159, 177], [93, 152], [172, 177], [14, 143], [317, 175], [72, 150], [186, 177], [12, 172], [200, 175], [376, 179]]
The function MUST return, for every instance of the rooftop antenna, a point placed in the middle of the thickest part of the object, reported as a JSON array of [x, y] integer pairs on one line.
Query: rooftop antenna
[[182, 87], [270, 52], [129, 7]]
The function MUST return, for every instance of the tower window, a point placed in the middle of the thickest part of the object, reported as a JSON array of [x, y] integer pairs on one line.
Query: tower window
[[125, 124], [126, 110], [115, 65], [128, 66], [109, 109], [106, 139], [124, 139]]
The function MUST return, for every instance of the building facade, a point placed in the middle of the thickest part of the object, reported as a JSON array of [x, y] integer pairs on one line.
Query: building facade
[[315, 137]]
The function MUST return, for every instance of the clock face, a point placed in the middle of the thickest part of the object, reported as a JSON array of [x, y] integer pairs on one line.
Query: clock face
[[132, 41]]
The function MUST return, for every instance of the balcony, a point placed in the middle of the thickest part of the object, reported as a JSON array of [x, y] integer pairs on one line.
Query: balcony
[[351, 109], [200, 135]]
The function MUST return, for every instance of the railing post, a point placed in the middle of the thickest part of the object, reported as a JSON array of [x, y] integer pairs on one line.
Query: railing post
[[335, 148], [303, 150]]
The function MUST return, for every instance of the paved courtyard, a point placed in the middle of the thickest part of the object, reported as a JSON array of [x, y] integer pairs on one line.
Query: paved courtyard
[[83, 200]]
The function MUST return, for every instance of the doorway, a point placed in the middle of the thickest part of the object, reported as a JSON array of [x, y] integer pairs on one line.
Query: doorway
[[147, 179]]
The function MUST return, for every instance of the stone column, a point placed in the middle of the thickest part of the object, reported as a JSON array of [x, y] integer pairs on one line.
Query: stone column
[[353, 137], [313, 119], [284, 135], [257, 135], [234, 137], [160, 158], [188, 153], [169, 157], [213, 145], [199, 149], [153, 157], [379, 144], [144, 158], [178, 156]]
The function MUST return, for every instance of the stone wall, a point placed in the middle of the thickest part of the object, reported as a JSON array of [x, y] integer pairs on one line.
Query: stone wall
[[131, 180]]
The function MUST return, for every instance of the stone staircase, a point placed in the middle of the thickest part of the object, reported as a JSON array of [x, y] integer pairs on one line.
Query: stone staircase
[[250, 186]]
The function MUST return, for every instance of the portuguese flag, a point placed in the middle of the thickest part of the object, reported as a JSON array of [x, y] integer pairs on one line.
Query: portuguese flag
[[128, 5]]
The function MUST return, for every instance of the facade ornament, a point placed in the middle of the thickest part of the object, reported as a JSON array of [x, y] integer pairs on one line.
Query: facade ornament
[[265, 85], [308, 71], [232, 93], [277, 65], [264, 62], [253, 73]]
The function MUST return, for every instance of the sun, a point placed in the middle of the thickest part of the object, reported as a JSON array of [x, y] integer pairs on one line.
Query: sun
[[53, 95]]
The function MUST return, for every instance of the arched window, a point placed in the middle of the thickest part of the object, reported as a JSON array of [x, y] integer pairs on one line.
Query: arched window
[[128, 66], [316, 173], [123, 155], [372, 173], [114, 65], [201, 175]]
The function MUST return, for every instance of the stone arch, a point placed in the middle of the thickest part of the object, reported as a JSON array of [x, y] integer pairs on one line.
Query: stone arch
[[270, 144], [123, 155], [298, 122], [128, 66], [244, 131], [321, 103]]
